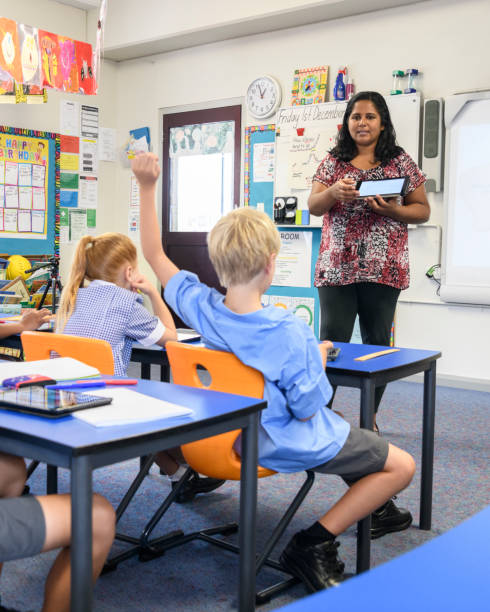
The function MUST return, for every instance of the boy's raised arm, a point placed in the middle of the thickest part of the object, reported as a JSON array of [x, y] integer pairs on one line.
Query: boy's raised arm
[[146, 169]]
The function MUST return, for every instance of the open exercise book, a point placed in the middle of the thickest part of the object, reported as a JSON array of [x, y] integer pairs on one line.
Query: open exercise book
[[59, 369], [129, 407]]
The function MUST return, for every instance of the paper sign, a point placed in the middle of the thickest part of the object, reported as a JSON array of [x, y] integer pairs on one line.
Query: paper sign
[[2, 171], [11, 196], [107, 144], [24, 221], [11, 173], [68, 198], [25, 174], [69, 144], [293, 263], [68, 161], [10, 220], [38, 218], [70, 118], [25, 197], [88, 192], [88, 156], [38, 198], [2, 196], [89, 120], [68, 180], [38, 175], [78, 224]]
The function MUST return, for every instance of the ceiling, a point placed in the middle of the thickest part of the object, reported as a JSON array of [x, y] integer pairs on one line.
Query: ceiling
[[120, 49], [81, 4]]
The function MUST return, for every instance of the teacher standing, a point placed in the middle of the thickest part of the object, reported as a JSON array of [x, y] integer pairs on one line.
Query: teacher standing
[[363, 261]]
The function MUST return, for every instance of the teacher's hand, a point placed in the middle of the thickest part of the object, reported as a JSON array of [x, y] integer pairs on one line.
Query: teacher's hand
[[344, 190], [380, 206]]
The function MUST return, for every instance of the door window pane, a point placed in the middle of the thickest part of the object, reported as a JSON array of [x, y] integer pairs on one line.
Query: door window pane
[[201, 175]]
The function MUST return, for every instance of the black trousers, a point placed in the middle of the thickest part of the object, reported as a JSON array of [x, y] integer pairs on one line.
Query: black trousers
[[374, 303]]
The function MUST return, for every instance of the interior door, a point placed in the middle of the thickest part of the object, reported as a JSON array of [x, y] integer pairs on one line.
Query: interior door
[[201, 183]]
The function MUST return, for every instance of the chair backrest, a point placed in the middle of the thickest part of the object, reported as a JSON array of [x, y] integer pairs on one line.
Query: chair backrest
[[93, 352], [215, 456]]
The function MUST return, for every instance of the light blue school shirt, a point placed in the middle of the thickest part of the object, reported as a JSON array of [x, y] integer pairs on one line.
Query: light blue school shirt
[[108, 312], [285, 350]]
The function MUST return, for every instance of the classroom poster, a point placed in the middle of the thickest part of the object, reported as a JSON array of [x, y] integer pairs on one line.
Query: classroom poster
[[24, 186], [293, 263], [302, 307], [29, 55]]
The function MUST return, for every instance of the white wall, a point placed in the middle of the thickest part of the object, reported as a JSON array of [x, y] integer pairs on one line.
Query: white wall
[[72, 22], [446, 40]]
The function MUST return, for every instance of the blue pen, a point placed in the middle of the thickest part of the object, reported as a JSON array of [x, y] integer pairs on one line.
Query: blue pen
[[79, 385]]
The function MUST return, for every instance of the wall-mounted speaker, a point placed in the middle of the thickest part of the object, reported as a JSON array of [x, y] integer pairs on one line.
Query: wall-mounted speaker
[[433, 144]]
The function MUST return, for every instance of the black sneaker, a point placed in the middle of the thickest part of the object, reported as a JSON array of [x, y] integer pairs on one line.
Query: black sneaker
[[317, 566], [196, 485], [388, 518]]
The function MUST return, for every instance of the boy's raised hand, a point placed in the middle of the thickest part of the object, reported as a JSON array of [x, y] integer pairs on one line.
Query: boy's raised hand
[[146, 169]]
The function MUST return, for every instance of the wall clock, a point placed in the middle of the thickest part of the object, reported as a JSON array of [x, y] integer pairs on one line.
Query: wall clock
[[263, 96]]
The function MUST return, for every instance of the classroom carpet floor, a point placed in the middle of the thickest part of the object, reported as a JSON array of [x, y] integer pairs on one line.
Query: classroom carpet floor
[[201, 578]]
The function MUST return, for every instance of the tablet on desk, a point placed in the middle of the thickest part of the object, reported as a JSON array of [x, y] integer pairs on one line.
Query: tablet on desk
[[387, 188], [48, 403]]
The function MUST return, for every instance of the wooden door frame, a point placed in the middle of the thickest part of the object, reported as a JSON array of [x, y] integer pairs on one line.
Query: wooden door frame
[[174, 118]]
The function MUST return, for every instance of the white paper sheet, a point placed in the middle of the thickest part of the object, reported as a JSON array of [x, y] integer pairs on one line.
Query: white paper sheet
[[61, 368], [129, 407]]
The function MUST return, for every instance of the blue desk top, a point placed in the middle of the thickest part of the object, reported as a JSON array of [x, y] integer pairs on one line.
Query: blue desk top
[[449, 573], [403, 357], [71, 432]]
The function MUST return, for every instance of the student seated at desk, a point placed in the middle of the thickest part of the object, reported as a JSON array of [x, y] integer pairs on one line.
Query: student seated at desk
[[30, 525], [30, 321], [111, 308], [297, 431]]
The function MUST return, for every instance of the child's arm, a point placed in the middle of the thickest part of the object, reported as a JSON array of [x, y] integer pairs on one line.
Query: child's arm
[[30, 321], [146, 169], [159, 307]]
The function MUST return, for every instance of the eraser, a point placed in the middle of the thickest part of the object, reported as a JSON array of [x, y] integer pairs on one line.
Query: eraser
[[27, 381]]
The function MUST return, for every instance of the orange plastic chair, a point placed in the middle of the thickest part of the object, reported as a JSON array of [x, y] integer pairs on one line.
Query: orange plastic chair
[[95, 353], [215, 456]]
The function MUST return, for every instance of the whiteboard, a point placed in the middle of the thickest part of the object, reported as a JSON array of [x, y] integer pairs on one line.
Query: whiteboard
[[306, 133], [466, 253]]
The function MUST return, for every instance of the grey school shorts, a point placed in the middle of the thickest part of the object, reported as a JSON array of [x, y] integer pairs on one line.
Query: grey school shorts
[[363, 453], [22, 528]]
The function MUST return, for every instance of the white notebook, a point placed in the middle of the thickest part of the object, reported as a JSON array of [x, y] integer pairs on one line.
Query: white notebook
[[129, 407], [60, 368]]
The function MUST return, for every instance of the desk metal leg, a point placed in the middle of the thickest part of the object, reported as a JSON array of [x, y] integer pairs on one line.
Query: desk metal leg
[[146, 371], [428, 447], [248, 509], [364, 527], [81, 548], [51, 479]]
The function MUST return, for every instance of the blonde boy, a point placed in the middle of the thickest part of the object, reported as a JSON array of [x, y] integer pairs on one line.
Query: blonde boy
[[297, 431]]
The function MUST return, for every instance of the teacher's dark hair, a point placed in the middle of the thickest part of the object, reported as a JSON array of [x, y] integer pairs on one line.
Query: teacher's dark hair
[[386, 147]]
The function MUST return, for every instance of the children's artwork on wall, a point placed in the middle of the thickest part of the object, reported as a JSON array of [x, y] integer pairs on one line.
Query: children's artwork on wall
[[29, 55], [10, 49], [50, 59], [86, 79], [68, 63], [309, 86], [37, 59]]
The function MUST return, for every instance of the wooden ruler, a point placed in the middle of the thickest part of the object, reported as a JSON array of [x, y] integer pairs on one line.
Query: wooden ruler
[[378, 354]]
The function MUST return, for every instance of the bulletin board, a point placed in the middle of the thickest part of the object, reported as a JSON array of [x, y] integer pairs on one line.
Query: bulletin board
[[259, 166], [29, 191]]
